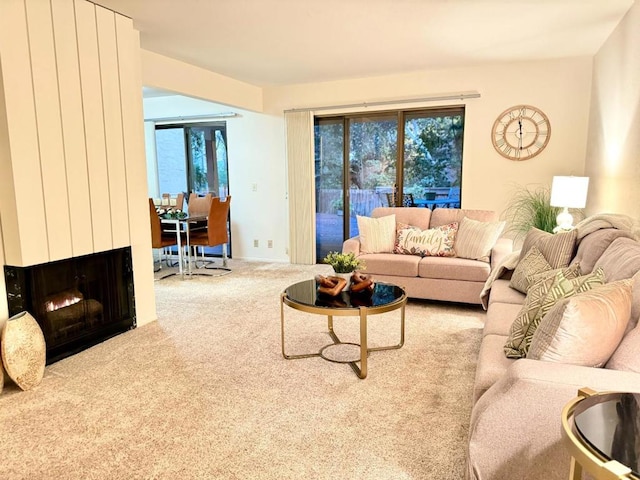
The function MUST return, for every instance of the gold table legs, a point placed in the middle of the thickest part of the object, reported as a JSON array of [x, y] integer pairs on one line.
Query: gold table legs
[[362, 312]]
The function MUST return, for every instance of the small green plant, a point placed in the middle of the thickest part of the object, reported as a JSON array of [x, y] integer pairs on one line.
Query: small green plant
[[343, 262], [528, 209], [337, 204]]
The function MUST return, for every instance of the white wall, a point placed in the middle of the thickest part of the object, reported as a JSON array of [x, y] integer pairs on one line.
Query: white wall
[[560, 88], [256, 158], [614, 137]]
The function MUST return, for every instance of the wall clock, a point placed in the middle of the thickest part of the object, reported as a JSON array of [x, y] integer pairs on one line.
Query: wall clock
[[521, 132]]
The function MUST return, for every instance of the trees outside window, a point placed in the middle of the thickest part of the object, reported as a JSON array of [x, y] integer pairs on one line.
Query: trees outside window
[[360, 165]]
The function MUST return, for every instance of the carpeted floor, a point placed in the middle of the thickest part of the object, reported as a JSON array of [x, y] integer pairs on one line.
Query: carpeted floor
[[204, 393]]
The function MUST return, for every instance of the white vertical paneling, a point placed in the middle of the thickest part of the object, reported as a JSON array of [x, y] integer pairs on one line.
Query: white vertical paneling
[[66, 51], [4, 307], [111, 105], [94, 125], [45, 93], [301, 186], [132, 124], [22, 206]]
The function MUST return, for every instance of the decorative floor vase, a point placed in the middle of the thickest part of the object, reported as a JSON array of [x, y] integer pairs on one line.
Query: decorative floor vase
[[23, 350]]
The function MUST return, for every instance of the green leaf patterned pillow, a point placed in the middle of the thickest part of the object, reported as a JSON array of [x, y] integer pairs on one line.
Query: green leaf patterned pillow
[[541, 297], [532, 263]]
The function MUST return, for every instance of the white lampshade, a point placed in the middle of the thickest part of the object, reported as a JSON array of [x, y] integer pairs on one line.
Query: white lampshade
[[570, 192]]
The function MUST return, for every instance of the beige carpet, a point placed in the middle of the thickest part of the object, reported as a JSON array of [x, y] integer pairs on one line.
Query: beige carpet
[[205, 393]]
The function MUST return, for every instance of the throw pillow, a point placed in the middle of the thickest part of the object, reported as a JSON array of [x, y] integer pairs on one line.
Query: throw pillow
[[541, 297], [532, 263], [475, 239], [377, 235], [556, 248], [570, 272], [436, 242], [626, 356], [584, 329]]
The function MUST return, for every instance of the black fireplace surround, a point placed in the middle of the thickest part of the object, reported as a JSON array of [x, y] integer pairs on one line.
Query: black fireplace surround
[[78, 302]]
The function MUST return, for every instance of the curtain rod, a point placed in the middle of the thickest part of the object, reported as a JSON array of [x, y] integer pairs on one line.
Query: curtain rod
[[193, 118], [431, 98]]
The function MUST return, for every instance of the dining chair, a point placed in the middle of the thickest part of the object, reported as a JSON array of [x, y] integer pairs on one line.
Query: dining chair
[[215, 234], [159, 239], [198, 206], [407, 200]]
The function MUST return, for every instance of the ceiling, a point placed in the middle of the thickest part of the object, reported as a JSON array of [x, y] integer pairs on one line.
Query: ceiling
[[282, 42]]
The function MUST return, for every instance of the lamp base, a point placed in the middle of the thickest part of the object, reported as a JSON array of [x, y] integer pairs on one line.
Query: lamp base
[[564, 221]]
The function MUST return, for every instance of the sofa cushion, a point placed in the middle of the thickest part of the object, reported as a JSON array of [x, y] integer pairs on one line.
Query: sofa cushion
[[419, 217], [626, 356], [476, 239], [377, 235], [557, 248], [541, 297], [584, 329], [533, 262], [492, 364], [436, 241], [501, 292], [452, 268], [391, 264], [620, 260], [442, 216], [592, 246], [499, 318]]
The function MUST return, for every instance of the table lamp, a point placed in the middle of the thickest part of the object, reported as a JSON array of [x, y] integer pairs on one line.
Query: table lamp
[[568, 192]]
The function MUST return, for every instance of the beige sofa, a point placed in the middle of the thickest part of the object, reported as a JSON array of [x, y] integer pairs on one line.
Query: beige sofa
[[515, 430], [435, 278]]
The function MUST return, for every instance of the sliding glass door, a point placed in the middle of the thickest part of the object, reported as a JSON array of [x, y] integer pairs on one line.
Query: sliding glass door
[[361, 165], [193, 159]]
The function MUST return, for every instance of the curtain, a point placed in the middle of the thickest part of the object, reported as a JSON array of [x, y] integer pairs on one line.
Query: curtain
[[301, 186]]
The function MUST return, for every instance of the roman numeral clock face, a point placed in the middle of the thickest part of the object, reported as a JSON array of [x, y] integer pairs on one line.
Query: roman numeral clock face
[[521, 132]]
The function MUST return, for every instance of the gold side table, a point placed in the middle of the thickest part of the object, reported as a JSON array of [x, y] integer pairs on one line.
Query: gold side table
[[602, 434], [304, 296]]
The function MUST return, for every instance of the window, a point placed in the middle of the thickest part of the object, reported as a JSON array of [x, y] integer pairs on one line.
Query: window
[[193, 158], [361, 165]]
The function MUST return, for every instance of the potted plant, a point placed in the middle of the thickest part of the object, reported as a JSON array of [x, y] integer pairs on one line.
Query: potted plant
[[338, 206], [530, 208], [345, 263]]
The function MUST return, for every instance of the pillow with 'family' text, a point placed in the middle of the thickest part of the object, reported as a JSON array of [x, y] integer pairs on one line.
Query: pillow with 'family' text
[[437, 242]]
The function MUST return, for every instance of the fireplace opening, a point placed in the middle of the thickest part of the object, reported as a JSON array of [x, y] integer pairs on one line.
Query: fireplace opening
[[78, 302]]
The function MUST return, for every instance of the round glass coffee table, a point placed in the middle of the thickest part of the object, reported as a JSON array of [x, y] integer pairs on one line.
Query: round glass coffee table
[[304, 296], [602, 431]]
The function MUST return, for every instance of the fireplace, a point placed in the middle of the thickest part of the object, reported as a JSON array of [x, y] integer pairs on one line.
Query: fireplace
[[78, 302]]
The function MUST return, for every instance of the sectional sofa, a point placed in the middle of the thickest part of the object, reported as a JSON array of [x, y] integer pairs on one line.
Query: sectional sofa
[[515, 429]]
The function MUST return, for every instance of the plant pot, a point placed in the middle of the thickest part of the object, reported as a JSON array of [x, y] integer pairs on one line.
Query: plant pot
[[347, 277]]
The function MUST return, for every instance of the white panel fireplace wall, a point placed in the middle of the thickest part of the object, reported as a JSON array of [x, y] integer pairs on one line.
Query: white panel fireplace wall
[[71, 138]]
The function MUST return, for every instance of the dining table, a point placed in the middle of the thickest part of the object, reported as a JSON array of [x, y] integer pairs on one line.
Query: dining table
[[437, 202], [180, 226]]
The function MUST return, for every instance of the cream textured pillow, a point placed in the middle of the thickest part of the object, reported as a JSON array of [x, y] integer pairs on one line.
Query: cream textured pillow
[[437, 242], [541, 297], [585, 329], [532, 263], [557, 248], [377, 235], [475, 239], [626, 355]]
